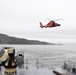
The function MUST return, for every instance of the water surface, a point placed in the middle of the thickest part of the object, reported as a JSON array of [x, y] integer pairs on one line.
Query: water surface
[[48, 55]]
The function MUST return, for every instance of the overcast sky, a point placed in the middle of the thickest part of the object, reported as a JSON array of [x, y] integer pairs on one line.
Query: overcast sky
[[20, 18]]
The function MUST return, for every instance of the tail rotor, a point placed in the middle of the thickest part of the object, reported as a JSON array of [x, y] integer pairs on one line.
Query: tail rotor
[[41, 26]]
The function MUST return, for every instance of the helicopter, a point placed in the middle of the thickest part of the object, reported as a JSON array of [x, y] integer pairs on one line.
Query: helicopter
[[51, 24]]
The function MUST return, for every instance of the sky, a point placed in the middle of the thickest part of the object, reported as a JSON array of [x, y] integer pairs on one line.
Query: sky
[[20, 18]]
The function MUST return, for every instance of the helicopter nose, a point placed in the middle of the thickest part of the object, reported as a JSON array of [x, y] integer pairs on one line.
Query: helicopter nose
[[58, 24]]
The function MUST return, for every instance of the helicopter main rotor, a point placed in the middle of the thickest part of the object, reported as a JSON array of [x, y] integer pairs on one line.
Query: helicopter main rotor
[[55, 20]]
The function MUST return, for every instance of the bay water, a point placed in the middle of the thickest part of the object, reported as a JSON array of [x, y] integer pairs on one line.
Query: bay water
[[46, 55]]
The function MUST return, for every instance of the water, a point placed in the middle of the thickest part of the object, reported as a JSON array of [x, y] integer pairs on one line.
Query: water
[[47, 55]]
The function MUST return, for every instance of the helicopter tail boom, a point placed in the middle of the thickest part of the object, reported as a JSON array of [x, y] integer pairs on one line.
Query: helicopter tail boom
[[41, 26]]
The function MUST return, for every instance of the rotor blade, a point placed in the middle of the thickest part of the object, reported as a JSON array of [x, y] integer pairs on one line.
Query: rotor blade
[[58, 19], [49, 19], [55, 20]]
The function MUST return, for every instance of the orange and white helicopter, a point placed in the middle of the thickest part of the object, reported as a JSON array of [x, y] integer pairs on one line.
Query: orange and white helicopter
[[51, 24]]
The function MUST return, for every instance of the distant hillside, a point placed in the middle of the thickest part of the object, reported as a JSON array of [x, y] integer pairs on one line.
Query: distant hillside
[[5, 39]]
